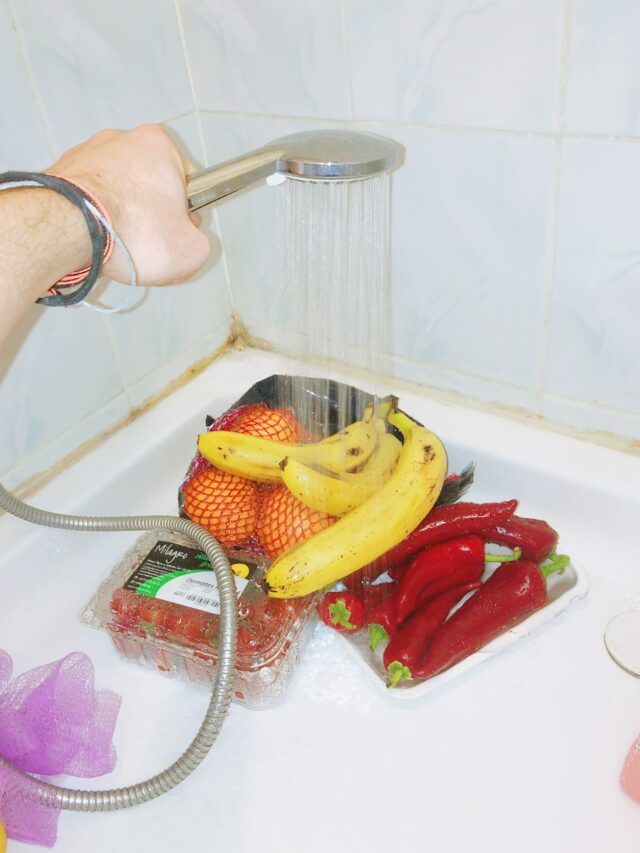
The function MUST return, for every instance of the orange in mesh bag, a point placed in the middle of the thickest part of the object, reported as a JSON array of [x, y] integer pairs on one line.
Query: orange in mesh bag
[[284, 521], [260, 420], [227, 505]]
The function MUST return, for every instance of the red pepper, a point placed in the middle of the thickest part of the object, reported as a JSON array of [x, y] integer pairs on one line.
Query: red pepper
[[447, 564], [536, 539], [343, 611], [511, 593], [364, 577], [408, 645], [398, 571], [377, 594], [446, 522], [381, 616]]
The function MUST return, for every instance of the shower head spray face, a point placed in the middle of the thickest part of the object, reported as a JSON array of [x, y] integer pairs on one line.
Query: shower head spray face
[[316, 155]]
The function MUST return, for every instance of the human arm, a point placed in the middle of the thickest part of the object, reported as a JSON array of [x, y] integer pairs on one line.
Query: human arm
[[139, 178]]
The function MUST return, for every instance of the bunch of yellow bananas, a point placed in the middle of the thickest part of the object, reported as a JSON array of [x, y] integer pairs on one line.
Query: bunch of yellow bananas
[[395, 486], [262, 459]]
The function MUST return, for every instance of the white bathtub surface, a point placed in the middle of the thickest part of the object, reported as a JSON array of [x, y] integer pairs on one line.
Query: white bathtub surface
[[522, 753]]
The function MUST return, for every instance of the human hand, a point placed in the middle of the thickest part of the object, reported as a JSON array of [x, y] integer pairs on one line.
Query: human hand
[[139, 177]]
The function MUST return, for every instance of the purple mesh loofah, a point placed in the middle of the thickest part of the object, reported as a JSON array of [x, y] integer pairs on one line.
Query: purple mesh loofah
[[24, 815], [6, 668], [52, 721]]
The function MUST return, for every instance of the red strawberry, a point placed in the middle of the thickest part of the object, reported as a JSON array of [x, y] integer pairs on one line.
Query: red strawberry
[[226, 505], [284, 521], [260, 420]]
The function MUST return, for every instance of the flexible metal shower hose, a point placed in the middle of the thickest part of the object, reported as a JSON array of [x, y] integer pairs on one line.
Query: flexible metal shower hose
[[121, 798]]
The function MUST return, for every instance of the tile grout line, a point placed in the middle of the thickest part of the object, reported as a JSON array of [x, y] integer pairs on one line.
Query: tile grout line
[[194, 345], [35, 92], [346, 52], [119, 364], [447, 371], [178, 117], [132, 407], [436, 128], [601, 408], [554, 214], [261, 330], [203, 148], [69, 431]]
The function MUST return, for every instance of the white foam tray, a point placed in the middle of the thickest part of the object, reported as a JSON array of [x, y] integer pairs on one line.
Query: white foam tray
[[563, 591]]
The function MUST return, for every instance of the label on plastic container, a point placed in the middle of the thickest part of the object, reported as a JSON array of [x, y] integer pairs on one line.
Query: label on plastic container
[[181, 575]]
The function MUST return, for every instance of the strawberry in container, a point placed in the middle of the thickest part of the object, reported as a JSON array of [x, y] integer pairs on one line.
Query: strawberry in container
[[161, 608]]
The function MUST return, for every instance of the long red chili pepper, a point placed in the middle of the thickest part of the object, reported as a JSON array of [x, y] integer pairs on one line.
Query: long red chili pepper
[[535, 538], [384, 621], [512, 592], [381, 616], [398, 571], [447, 564], [407, 646], [376, 594], [447, 522], [363, 578]]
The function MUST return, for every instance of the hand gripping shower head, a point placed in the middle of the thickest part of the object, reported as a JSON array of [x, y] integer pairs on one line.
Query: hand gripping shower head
[[315, 155]]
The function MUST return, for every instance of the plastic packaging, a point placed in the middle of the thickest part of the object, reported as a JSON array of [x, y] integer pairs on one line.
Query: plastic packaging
[[160, 607]]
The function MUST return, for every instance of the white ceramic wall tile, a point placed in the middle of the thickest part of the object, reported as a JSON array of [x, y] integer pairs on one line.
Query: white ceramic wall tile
[[56, 370], [96, 65], [258, 56], [461, 62], [604, 73], [594, 347], [44, 456], [588, 418], [470, 219], [23, 144], [172, 324], [154, 383], [473, 387]]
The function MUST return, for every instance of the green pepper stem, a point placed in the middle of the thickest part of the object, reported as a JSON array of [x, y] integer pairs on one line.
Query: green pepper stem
[[559, 563], [341, 615], [377, 635], [503, 558], [397, 671]]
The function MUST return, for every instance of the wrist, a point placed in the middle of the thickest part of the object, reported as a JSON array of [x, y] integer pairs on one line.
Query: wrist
[[50, 235], [73, 243]]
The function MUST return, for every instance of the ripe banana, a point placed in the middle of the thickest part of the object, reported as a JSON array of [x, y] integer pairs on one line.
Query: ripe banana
[[338, 494], [260, 458], [371, 529]]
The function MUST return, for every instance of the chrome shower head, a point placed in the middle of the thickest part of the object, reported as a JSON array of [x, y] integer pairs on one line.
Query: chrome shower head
[[316, 155]]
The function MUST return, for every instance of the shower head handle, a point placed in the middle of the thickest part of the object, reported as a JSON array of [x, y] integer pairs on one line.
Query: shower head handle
[[317, 155]]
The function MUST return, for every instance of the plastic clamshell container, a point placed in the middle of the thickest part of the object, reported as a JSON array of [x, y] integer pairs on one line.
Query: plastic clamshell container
[[180, 639], [563, 591]]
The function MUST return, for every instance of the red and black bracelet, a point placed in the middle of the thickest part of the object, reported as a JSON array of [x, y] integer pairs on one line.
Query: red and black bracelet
[[101, 239]]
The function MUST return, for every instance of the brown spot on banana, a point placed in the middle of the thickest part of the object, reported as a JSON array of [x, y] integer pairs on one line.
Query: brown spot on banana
[[429, 453]]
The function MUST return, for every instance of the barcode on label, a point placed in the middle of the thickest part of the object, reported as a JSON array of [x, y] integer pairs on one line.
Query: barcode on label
[[198, 599]]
